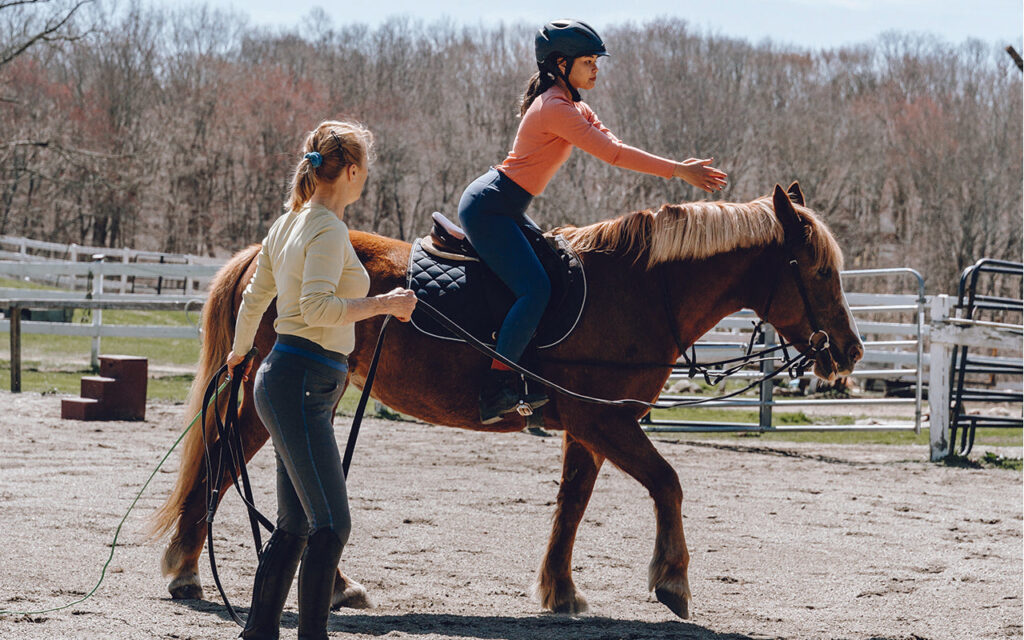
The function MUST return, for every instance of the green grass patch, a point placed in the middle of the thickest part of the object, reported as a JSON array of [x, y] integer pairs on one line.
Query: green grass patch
[[12, 283], [991, 459], [37, 379]]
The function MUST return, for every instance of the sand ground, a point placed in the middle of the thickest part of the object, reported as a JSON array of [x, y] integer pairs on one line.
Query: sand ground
[[787, 540]]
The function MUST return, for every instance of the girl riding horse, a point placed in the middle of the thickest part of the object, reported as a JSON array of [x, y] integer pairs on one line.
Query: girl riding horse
[[493, 208]]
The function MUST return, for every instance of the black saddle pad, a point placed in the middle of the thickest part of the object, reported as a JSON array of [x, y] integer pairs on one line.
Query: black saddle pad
[[472, 296]]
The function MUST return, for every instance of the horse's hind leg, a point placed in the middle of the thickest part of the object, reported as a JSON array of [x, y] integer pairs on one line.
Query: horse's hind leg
[[555, 587], [181, 557], [625, 445]]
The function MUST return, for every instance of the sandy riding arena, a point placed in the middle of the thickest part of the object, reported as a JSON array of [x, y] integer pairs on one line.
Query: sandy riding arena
[[787, 540]]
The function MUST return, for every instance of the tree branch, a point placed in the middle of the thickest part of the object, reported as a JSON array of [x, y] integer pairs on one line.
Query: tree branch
[[51, 27], [1016, 57]]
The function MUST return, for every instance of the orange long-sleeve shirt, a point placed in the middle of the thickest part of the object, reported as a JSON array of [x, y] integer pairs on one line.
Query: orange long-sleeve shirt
[[552, 126]]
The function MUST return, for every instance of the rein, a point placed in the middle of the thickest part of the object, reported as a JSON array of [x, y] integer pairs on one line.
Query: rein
[[798, 361]]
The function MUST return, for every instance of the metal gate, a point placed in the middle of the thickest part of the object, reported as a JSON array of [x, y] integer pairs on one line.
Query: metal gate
[[981, 309]]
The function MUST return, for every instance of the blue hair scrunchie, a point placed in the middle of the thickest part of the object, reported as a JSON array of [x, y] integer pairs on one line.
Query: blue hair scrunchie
[[315, 159]]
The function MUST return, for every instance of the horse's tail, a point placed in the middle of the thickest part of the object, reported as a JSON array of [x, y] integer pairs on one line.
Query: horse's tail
[[218, 334]]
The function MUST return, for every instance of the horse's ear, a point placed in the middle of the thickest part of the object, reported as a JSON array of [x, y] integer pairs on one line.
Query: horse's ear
[[792, 226], [784, 209], [795, 194]]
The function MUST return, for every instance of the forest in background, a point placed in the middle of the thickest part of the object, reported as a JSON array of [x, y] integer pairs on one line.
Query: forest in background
[[177, 130]]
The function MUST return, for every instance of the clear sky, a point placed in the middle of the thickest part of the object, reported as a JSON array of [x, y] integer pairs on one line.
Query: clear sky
[[811, 23]]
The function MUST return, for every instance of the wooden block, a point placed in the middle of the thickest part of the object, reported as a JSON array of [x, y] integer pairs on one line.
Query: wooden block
[[122, 367], [99, 387], [79, 409], [128, 402]]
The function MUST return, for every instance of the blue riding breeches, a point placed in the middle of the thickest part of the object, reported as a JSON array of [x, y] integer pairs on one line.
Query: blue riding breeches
[[492, 211], [296, 389]]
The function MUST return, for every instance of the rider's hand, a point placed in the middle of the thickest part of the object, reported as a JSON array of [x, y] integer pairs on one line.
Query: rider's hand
[[233, 360], [400, 303], [701, 174]]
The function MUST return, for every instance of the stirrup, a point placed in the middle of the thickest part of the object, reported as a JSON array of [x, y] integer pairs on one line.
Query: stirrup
[[523, 409]]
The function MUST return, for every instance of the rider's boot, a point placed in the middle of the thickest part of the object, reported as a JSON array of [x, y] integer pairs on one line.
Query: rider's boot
[[316, 583], [502, 392], [274, 576]]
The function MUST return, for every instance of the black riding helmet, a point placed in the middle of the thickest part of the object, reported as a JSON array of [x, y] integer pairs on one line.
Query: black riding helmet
[[570, 39]]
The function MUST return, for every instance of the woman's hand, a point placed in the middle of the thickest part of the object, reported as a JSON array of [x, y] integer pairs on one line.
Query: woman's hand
[[701, 174], [233, 360], [400, 303]]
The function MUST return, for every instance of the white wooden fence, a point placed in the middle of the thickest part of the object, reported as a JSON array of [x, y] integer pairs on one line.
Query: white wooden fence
[[946, 334], [97, 273], [26, 250], [894, 345]]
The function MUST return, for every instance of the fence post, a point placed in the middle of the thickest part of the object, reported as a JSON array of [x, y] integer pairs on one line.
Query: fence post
[[97, 314], [73, 254], [14, 313], [938, 383], [765, 391], [124, 276]]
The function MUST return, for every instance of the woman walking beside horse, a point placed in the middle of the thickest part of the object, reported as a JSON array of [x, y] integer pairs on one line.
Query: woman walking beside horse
[[307, 261], [493, 208]]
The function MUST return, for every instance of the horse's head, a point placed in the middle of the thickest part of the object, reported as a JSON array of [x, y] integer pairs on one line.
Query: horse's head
[[805, 299]]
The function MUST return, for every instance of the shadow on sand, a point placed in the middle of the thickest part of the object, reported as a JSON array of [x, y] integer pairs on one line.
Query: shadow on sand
[[541, 626]]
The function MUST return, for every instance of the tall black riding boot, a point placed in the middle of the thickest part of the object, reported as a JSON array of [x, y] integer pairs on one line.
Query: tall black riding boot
[[316, 583], [501, 392], [274, 576]]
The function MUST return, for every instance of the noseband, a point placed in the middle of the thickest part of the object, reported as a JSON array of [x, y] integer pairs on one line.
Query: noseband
[[819, 340]]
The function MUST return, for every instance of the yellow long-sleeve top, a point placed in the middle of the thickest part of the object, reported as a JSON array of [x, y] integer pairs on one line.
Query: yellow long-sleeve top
[[308, 262]]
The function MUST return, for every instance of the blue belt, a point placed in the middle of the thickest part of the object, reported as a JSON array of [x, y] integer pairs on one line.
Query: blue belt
[[316, 357]]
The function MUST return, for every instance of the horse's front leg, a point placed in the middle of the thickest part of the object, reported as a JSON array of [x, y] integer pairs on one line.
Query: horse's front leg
[[625, 445], [554, 586]]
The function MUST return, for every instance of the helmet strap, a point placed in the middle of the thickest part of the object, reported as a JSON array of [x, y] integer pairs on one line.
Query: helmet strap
[[573, 93]]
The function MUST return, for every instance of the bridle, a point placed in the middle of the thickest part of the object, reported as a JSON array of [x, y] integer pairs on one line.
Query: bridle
[[817, 342]]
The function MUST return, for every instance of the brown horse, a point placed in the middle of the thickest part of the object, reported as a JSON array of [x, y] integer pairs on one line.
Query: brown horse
[[656, 278]]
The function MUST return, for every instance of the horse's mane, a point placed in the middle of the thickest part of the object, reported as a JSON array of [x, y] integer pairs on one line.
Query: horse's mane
[[698, 230]]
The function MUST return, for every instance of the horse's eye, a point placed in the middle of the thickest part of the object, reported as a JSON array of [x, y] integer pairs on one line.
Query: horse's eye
[[825, 272]]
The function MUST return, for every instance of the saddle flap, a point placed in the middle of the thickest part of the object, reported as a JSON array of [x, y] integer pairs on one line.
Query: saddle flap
[[471, 295]]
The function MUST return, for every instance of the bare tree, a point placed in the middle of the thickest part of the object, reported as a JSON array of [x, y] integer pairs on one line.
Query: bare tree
[[30, 22]]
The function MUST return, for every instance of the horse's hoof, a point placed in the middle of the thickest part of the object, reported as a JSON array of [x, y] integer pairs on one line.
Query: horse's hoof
[[561, 597], [679, 605], [575, 605], [354, 597], [186, 588]]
